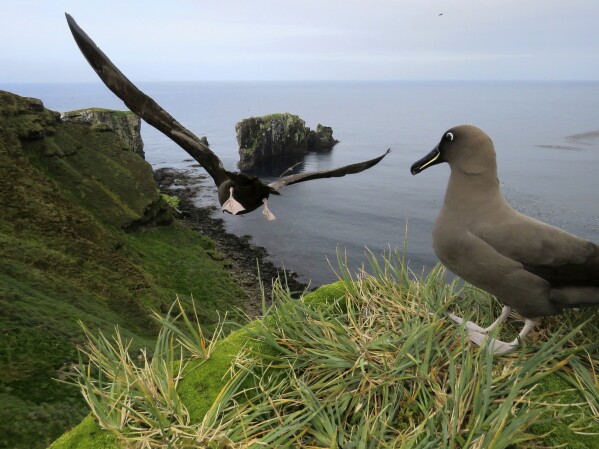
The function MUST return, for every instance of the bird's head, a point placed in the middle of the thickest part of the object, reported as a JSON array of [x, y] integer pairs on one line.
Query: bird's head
[[249, 191], [465, 148]]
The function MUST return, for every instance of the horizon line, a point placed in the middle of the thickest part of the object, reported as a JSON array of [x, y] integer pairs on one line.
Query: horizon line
[[509, 80]]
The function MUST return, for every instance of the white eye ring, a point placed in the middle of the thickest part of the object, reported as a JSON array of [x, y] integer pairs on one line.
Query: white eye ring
[[449, 136]]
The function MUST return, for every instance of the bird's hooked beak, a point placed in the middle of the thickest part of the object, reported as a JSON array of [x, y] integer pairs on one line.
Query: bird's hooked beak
[[432, 158]]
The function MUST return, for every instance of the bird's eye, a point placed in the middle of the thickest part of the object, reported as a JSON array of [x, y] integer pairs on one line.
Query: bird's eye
[[449, 136]]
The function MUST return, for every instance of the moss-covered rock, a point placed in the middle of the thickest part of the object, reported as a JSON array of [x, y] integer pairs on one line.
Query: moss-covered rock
[[26, 118], [321, 139], [124, 124], [276, 135]]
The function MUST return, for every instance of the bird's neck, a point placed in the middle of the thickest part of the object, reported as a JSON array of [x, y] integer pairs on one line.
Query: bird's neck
[[476, 193]]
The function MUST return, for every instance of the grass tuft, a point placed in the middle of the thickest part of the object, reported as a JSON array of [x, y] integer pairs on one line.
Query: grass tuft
[[136, 398], [384, 367], [374, 363]]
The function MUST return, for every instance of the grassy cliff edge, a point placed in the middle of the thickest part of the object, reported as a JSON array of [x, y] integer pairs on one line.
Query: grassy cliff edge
[[84, 236]]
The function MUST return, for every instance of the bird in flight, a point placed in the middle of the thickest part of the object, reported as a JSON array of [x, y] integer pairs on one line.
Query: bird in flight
[[238, 193]]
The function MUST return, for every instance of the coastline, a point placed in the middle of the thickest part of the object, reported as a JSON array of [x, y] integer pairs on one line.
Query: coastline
[[244, 257]]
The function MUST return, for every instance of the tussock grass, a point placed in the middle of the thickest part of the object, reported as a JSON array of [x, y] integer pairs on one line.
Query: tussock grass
[[137, 399], [382, 367]]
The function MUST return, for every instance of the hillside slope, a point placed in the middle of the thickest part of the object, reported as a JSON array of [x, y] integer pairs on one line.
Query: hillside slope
[[84, 235]]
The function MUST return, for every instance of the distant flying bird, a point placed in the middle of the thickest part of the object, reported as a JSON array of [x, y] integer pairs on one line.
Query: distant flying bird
[[530, 266], [441, 14], [238, 193]]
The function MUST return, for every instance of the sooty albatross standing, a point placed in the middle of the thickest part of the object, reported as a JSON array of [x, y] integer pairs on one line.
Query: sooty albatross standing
[[237, 193], [530, 266]]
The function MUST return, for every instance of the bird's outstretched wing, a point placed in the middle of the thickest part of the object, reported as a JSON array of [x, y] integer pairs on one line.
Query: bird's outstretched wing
[[334, 173], [144, 106]]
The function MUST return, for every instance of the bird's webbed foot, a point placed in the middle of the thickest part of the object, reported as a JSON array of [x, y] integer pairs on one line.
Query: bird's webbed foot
[[266, 211], [495, 346], [478, 335], [232, 205], [471, 326]]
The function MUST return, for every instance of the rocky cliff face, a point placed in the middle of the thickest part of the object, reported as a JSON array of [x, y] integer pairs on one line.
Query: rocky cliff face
[[124, 124], [276, 135]]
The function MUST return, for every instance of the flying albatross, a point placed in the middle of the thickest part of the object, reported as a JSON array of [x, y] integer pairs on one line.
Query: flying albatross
[[531, 267], [238, 193]]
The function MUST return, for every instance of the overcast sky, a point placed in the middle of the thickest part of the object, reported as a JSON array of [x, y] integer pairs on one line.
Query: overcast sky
[[305, 39]]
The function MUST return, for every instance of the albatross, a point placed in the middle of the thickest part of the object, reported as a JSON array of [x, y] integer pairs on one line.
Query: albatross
[[530, 266], [238, 193]]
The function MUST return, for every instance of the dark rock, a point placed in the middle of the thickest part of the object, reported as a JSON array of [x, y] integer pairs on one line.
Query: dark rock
[[321, 139], [124, 124]]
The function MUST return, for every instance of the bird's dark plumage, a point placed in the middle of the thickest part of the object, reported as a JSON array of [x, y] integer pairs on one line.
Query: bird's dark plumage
[[530, 266], [238, 193]]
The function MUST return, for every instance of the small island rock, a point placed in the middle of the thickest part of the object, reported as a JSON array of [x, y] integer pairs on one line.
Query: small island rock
[[274, 135]]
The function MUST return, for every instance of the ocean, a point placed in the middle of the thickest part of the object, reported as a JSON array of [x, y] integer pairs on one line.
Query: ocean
[[546, 136]]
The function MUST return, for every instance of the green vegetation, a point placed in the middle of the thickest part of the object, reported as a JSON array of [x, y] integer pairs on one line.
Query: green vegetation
[[111, 111], [172, 201], [373, 362], [84, 236]]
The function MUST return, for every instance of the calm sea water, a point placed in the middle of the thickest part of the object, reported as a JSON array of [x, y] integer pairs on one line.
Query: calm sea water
[[544, 172]]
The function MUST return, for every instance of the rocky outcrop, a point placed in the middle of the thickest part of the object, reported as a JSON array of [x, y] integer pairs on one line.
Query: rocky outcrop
[[124, 124], [276, 135], [321, 139], [27, 117]]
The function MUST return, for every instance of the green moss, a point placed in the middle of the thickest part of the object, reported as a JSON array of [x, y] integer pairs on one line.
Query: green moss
[[189, 272], [172, 201], [326, 294], [200, 386], [111, 111], [86, 435], [204, 380], [556, 428]]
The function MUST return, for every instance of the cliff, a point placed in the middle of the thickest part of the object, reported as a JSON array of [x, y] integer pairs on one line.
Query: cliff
[[275, 136], [84, 235], [124, 124]]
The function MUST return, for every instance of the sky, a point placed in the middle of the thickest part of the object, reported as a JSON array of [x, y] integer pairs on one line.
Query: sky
[[232, 40]]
